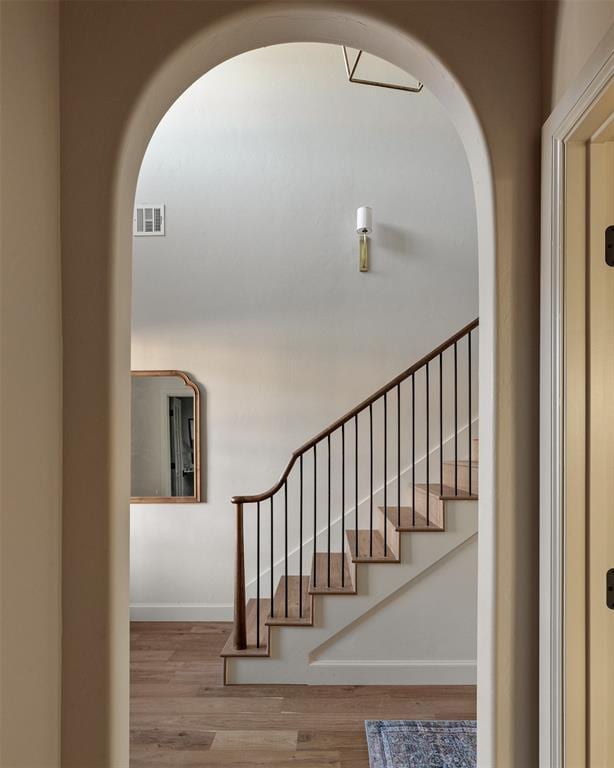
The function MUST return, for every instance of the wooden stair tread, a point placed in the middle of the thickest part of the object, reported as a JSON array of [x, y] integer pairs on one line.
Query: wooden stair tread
[[407, 520], [319, 569], [460, 462], [294, 618], [250, 625], [364, 547], [446, 493]]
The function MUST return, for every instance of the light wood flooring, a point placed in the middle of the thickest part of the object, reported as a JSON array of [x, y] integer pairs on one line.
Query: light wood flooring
[[182, 715]]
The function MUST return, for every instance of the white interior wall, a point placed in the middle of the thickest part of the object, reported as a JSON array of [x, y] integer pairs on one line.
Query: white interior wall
[[255, 288]]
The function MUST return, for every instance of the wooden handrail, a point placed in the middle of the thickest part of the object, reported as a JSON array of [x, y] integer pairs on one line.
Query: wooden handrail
[[355, 411]]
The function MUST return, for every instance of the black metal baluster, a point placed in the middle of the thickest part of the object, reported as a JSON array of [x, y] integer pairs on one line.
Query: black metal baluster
[[286, 547], [328, 532], [343, 499], [469, 404], [300, 534], [413, 451], [441, 423], [356, 481], [315, 515], [455, 421], [428, 455], [272, 565], [385, 470], [370, 480], [398, 459], [258, 575]]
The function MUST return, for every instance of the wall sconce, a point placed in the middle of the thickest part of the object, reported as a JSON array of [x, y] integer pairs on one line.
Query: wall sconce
[[364, 227]]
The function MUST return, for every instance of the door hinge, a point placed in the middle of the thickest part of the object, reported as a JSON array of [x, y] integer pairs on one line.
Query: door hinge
[[609, 588], [609, 245]]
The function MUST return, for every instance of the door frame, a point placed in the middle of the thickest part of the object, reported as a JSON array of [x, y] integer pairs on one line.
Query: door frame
[[557, 132]]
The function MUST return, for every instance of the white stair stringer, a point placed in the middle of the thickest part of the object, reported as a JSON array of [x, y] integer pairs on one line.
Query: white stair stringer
[[292, 648], [411, 637]]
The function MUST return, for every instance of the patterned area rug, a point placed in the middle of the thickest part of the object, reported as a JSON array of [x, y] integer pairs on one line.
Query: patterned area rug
[[421, 743]]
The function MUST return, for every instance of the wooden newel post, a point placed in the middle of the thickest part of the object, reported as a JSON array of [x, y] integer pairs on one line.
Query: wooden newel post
[[240, 632]]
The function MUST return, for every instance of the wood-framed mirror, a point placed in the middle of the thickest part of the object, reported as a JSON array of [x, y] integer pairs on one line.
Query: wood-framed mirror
[[165, 438]]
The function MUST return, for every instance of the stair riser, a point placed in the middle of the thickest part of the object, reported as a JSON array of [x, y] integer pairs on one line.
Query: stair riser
[[435, 506], [463, 477], [294, 618], [392, 534], [348, 554], [321, 587]]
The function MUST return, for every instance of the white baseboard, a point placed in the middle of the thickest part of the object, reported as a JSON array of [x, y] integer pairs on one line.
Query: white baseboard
[[398, 671], [181, 612]]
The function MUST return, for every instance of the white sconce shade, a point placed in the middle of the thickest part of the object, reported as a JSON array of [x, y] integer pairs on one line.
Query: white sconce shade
[[364, 220]]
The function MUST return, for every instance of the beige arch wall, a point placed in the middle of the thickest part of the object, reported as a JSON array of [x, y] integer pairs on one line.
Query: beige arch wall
[[101, 82], [30, 386], [572, 31]]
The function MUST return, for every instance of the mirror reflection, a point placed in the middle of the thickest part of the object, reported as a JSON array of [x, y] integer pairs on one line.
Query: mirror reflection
[[165, 452]]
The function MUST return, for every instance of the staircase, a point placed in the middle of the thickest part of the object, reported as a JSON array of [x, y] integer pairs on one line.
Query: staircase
[[397, 464]]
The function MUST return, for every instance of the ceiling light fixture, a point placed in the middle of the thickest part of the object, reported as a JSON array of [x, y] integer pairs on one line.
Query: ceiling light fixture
[[351, 73]]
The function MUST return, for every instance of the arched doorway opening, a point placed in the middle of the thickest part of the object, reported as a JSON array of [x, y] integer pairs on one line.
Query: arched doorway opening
[[254, 29]]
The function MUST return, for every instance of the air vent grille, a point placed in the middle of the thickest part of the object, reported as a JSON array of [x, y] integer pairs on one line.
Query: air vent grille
[[148, 220]]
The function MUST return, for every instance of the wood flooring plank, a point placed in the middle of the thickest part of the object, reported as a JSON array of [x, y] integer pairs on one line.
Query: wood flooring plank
[[333, 740], [154, 690], [161, 738], [151, 655], [237, 759], [260, 740], [201, 705]]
